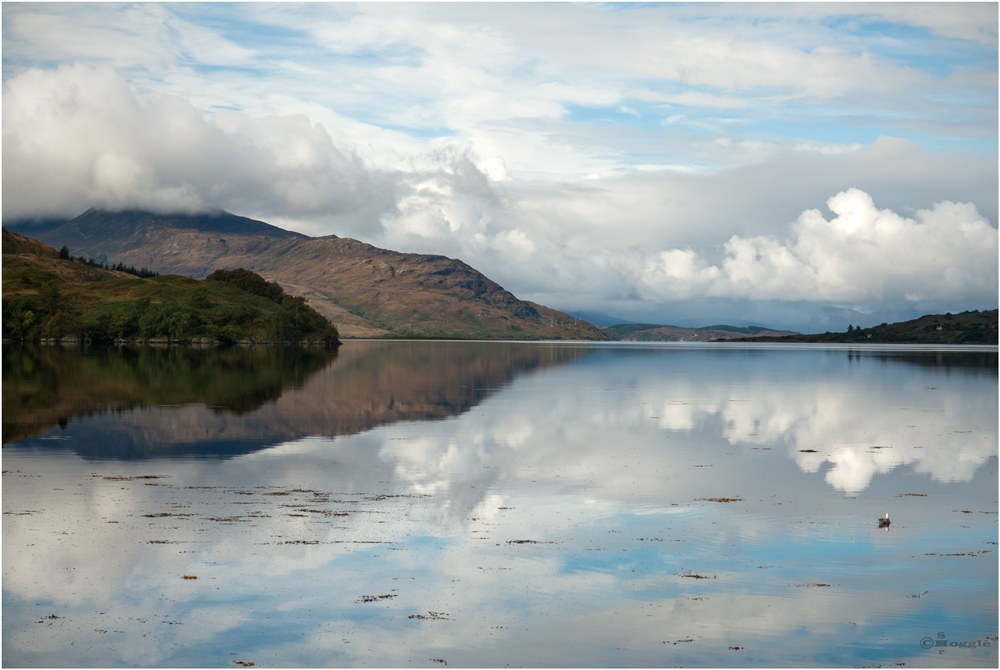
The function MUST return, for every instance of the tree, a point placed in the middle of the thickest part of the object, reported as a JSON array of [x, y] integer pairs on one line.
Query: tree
[[57, 326], [251, 282], [177, 323], [329, 335], [18, 316], [199, 298], [48, 295], [64, 253], [282, 326]]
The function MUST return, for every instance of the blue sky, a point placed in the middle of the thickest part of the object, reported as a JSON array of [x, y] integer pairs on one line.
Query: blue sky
[[587, 156]]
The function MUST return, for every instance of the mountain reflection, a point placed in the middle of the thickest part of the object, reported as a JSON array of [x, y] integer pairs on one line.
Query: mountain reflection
[[183, 400], [975, 362], [46, 385]]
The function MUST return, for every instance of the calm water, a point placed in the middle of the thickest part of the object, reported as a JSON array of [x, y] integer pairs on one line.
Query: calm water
[[418, 504]]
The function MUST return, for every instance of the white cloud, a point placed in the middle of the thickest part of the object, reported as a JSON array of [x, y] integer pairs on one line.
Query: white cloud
[[494, 168], [707, 127], [862, 255], [828, 148], [81, 137], [77, 137], [667, 237]]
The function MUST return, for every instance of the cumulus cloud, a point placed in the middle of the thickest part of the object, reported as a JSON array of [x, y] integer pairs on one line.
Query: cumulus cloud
[[77, 137], [641, 244], [863, 255], [658, 240]]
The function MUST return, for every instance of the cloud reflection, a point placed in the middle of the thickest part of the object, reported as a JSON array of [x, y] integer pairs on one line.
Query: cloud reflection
[[845, 426], [555, 522]]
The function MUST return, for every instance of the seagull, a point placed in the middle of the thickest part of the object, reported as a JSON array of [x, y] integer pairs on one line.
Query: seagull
[[882, 523]]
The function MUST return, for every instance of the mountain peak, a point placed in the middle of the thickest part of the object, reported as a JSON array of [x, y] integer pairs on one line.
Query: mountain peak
[[131, 222]]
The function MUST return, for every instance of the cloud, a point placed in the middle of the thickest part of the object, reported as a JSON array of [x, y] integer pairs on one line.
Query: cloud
[[640, 160], [666, 240], [862, 255], [77, 137]]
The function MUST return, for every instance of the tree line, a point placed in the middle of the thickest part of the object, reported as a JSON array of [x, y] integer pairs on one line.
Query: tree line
[[201, 313], [142, 273]]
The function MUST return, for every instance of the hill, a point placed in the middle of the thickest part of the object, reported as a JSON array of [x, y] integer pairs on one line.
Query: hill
[[651, 332], [366, 291], [46, 296], [973, 327], [14, 243]]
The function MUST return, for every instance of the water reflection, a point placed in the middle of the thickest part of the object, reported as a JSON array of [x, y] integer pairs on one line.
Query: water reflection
[[48, 385], [585, 506], [210, 401]]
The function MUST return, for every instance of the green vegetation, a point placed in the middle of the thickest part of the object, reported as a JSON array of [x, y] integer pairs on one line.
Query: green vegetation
[[172, 308], [142, 273], [48, 297], [972, 327], [64, 255], [251, 282]]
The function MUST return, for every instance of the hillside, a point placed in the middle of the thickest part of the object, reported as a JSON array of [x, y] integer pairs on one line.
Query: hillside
[[366, 291], [649, 332], [48, 297], [966, 328], [14, 243]]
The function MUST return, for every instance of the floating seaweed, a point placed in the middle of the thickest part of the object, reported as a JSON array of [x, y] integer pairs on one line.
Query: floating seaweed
[[374, 599]]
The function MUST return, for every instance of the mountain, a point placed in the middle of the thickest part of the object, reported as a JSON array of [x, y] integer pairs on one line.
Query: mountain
[[973, 327], [649, 332], [365, 291], [599, 319]]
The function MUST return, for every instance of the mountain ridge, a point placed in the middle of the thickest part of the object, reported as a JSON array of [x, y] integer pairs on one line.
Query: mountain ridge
[[366, 291]]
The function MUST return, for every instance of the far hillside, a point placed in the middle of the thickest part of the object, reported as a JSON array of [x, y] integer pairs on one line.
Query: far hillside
[[651, 332], [973, 327]]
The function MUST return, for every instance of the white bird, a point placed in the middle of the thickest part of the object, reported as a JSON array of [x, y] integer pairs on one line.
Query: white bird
[[882, 523]]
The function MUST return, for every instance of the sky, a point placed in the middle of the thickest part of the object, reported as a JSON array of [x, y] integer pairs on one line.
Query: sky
[[794, 165]]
